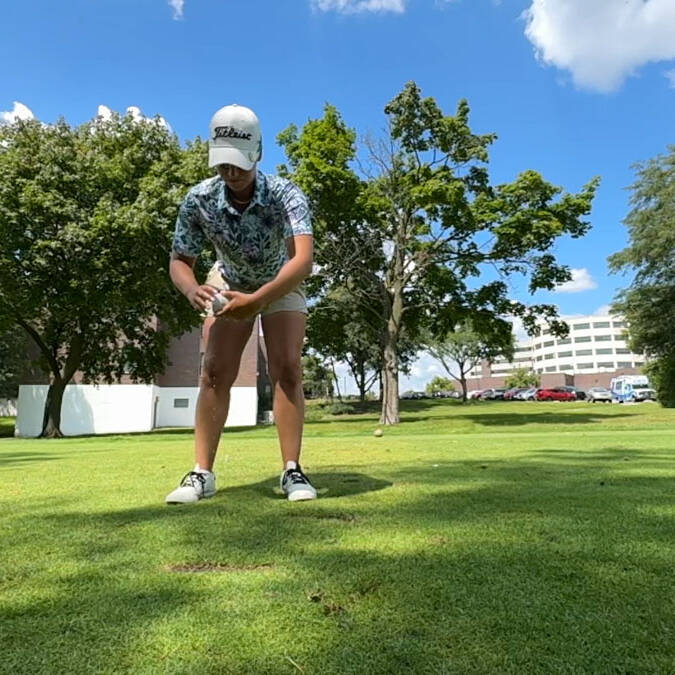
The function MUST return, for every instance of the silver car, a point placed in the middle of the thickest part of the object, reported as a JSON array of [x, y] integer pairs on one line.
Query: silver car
[[599, 394]]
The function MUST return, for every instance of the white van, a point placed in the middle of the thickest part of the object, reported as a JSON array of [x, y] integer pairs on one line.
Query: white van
[[631, 388]]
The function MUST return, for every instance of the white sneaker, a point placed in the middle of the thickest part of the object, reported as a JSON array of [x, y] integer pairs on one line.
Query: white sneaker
[[296, 485], [195, 485]]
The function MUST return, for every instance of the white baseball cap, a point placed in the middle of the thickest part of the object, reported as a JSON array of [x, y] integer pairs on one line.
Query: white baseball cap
[[235, 137]]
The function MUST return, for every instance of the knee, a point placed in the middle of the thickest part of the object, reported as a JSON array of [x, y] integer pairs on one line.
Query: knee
[[216, 375], [287, 374]]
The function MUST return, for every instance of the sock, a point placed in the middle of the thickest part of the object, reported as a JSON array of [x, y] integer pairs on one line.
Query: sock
[[198, 469], [291, 465]]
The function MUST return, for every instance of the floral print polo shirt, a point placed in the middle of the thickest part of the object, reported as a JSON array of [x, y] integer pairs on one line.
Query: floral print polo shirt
[[251, 246]]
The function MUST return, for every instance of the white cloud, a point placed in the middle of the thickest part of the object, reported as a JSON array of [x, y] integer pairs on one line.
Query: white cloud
[[581, 281], [104, 112], [18, 112], [359, 6], [177, 7], [601, 42], [670, 74]]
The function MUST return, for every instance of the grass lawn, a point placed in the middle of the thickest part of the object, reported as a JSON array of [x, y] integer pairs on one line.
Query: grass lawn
[[6, 426], [488, 538]]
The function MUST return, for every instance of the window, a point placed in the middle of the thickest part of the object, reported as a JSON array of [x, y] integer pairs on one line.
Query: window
[[622, 350], [624, 364], [522, 349], [547, 331], [581, 326], [549, 343], [619, 324], [601, 324], [619, 337], [539, 358], [562, 355], [584, 352], [608, 364], [566, 366], [586, 338], [604, 350], [522, 360], [584, 365], [550, 369], [549, 356], [181, 402], [565, 341], [603, 338]]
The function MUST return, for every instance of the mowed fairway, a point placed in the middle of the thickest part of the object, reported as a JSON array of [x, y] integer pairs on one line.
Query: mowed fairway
[[488, 538]]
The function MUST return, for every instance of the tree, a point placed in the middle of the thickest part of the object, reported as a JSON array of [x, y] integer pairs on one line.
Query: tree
[[13, 350], [410, 239], [649, 302], [522, 378], [317, 379], [86, 223], [439, 384], [464, 348], [338, 329]]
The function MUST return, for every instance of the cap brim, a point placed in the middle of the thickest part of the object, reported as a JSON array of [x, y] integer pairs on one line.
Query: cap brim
[[229, 156]]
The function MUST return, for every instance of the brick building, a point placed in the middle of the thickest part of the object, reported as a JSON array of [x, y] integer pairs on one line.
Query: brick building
[[169, 401]]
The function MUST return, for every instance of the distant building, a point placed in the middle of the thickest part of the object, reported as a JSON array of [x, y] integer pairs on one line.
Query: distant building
[[169, 401], [595, 350]]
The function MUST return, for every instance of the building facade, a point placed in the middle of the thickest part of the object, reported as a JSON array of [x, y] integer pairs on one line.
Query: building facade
[[169, 401], [595, 351]]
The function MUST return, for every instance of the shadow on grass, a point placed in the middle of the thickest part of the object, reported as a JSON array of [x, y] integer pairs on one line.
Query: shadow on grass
[[533, 565], [330, 486], [9, 458]]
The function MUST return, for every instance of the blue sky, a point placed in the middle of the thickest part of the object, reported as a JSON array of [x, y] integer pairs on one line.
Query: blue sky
[[573, 89]]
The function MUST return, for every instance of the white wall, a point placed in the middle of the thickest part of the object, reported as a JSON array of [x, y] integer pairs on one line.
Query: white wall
[[125, 408], [89, 409], [243, 407]]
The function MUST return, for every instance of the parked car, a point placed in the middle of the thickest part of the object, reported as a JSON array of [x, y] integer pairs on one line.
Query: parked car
[[493, 394], [474, 393], [599, 395], [526, 395], [555, 394], [580, 393], [513, 394]]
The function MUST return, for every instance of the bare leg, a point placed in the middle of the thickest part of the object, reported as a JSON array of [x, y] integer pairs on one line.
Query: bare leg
[[224, 345], [284, 335]]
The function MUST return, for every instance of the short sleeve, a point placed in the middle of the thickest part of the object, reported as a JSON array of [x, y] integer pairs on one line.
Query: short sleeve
[[297, 216], [189, 238]]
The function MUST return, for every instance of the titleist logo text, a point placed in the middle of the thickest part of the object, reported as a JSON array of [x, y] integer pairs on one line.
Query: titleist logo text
[[230, 132]]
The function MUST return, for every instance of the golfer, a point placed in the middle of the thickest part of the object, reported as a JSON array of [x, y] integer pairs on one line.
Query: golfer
[[260, 228]]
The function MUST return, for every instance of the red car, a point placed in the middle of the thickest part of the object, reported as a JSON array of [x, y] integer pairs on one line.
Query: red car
[[555, 394]]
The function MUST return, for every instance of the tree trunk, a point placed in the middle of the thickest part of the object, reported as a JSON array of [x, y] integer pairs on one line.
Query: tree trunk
[[51, 422], [462, 380], [389, 413]]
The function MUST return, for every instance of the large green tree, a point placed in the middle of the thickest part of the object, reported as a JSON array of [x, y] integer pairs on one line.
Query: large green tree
[[649, 302], [417, 231], [464, 348], [86, 222]]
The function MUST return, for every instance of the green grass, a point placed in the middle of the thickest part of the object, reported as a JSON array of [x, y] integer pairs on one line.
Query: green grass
[[6, 426], [489, 538]]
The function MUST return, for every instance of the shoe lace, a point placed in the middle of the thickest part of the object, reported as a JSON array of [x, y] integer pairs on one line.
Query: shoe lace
[[297, 477], [194, 479]]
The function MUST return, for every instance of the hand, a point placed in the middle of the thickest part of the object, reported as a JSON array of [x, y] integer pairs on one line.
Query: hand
[[200, 297], [240, 306]]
